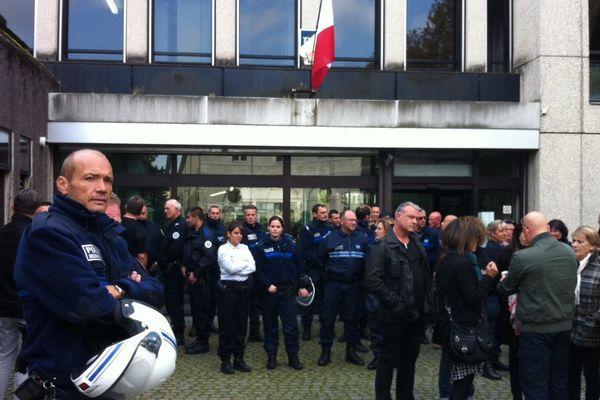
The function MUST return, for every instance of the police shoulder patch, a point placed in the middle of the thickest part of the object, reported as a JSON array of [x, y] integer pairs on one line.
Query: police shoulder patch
[[92, 253]]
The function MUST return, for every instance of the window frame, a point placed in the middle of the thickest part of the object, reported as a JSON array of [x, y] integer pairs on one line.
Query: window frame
[[63, 40], [459, 43], [151, 34], [295, 56]]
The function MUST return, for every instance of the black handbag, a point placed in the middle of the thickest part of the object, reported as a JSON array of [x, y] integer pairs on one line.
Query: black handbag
[[469, 344]]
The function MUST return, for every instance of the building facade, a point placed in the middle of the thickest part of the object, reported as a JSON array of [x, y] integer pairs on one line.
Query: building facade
[[459, 105]]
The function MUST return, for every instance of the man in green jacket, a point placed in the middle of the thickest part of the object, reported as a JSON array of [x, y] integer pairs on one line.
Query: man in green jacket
[[544, 276]]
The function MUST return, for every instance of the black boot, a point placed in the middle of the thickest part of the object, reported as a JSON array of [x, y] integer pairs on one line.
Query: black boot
[[254, 335], [352, 357], [497, 364], [226, 367], [271, 361], [306, 333], [197, 347], [373, 364], [361, 348], [490, 373], [325, 357], [294, 362], [240, 365]]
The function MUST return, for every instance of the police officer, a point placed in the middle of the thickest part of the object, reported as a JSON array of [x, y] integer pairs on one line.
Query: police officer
[[363, 216], [218, 232], [310, 238], [171, 254], [199, 260], [253, 233], [343, 254], [278, 279]]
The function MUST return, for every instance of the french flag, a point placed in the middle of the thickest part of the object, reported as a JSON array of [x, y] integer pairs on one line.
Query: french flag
[[325, 45]]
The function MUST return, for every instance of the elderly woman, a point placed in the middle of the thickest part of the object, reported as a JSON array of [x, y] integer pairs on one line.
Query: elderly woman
[[464, 287], [585, 334]]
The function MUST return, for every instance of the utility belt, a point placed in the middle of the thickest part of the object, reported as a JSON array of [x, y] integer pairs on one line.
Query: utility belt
[[236, 285], [286, 290], [36, 388], [172, 266]]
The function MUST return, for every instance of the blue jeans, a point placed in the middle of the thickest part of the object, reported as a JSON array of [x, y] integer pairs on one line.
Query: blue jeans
[[543, 361]]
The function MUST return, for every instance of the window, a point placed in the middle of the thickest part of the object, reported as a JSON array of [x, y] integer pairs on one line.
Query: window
[[594, 18], [25, 156], [182, 31], [19, 17], [156, 164], [5, 151], [498, 35], [229, 165], [433, 163], [267, 32], [333, 166], [433, 35], [356, 33], [94, 30]]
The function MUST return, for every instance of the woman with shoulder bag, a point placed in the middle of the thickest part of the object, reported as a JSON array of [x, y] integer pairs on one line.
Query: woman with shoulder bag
[[464, 288]]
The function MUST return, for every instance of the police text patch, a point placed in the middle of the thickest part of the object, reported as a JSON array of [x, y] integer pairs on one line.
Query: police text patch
[[92, 253]]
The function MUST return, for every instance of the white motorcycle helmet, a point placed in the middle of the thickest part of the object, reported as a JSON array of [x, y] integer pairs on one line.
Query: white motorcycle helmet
[[307, 301], [134, 365]]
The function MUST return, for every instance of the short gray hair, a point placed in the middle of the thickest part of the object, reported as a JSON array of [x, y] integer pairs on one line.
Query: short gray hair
[[405, 204], [175, 203]]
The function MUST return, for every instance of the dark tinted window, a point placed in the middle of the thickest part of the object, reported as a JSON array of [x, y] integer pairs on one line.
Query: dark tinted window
[[267, 32], [594, 18], [94, 30], [356, 32], [498, 36], [25, 156], [182, 31], [4, 150], [19, 15], [432, 35]]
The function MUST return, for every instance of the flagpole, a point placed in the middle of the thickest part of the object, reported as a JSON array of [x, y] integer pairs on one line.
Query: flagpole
[[314, 92]]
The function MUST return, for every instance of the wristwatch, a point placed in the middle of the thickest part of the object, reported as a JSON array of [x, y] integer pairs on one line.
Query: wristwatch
[[122, 292]]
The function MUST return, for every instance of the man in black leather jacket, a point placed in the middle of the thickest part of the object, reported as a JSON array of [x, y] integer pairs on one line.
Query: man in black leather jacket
[[397, 273]]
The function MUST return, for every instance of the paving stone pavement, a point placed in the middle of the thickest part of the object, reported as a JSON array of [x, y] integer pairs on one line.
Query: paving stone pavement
[[198, 377]]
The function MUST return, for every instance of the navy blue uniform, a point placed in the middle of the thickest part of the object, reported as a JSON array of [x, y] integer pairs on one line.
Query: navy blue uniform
[[171, 255], [252, 235], [343, 256], [431, 240], [65, 260], [200, 258], [277, 264], [310, 238]]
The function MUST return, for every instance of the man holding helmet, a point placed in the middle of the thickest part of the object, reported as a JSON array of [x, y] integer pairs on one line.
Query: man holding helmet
[[72, 269]]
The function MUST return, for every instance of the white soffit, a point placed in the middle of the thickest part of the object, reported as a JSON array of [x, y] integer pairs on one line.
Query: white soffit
[[289, 136]]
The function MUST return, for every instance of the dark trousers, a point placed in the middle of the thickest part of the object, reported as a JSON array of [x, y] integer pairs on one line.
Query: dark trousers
[[513, 369], [345, 299], [202, 299], [282, 305], [307, 312], [399, 350], [255, 311], [376, 333], [543, 360], [461, 387], [234, 301], [588, 360], [174, 283], [445, 386]]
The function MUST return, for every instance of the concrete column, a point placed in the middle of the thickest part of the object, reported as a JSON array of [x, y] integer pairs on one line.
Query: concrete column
[[136, 32], [225, 32], [47, 30], [394, 35], [475, 35]]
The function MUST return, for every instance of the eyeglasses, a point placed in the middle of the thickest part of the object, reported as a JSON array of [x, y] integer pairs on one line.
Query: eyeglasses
[[523, 224]]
